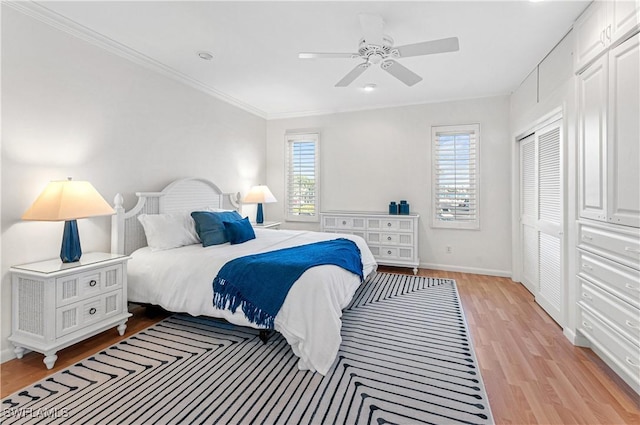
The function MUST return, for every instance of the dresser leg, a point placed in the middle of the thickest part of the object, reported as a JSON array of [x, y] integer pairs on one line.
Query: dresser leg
[[19, 352], [50, 359], [415, 271], [122, 327]]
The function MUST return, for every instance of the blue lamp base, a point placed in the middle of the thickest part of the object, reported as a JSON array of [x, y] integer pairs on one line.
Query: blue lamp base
[[70, 251], [260, 215]]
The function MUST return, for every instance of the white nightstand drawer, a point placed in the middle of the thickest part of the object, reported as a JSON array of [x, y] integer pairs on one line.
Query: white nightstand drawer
[[76, 316], [73, 288], [616, 313]]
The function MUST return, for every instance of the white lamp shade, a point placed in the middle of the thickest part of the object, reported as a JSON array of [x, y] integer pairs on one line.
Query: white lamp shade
[[68, 200], [259, 195]]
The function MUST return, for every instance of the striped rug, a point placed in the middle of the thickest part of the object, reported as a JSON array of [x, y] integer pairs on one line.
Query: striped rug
[[406, 358]]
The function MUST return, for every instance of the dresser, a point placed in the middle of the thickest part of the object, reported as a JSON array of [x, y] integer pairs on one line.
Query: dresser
[[609, 295], [393, 239], [58, 304]]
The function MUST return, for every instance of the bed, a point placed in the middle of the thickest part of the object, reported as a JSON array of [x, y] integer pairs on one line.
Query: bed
[[179, 279]]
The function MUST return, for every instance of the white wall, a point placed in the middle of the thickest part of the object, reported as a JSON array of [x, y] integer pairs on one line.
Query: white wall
[[72, 109], [370, 158]]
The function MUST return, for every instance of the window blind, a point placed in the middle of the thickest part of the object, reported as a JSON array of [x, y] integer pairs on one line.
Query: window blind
[[455, 176], [302, 177]]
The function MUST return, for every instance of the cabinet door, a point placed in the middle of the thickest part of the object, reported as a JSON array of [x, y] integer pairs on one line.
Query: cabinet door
[[623, 18], [592, 134], [590, 34], [623, 195]]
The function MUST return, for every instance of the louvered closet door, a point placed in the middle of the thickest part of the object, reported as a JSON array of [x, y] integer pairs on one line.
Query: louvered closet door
[[550, 212], [541, 212], [529, 214]]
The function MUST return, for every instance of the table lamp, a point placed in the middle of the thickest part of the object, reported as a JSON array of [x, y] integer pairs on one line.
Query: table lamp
[[259, 195], [68, 200]]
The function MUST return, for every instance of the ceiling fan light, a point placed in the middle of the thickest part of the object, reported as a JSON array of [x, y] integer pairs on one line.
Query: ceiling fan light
[[369, 87]]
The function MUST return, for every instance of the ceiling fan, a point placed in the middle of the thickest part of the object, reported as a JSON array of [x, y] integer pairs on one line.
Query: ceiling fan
[[377, 48]]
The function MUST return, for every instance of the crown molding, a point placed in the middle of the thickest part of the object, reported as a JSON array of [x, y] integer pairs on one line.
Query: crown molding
[[54, 19]]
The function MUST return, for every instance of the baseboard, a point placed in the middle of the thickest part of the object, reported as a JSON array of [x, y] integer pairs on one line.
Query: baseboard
[[575, 339], [462, 269], [7, 354]]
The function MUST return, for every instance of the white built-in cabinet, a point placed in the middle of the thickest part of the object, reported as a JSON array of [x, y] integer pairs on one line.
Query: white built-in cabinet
[[609, 136], [608, 248], [601, 26]]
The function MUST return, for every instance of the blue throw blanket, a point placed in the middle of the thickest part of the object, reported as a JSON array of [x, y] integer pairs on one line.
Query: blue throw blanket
[[259, 283]]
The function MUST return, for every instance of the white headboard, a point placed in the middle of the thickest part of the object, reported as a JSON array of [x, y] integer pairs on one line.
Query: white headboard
[[184, 195]]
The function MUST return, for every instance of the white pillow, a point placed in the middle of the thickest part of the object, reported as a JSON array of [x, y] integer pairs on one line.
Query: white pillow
[[166, 231]]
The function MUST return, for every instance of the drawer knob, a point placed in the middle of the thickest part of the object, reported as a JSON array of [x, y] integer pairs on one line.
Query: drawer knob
[[587, 266], [389, 252], [388, 224], [632, 249], [630, 286], [586, 296], [632, 325], [587, 238], [92, 282], [388, 238], [92, 311], [587, 325], [344, 222], [631, 362]]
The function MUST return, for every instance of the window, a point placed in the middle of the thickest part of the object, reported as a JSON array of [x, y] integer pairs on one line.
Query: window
[[455, 176], [302, 177]]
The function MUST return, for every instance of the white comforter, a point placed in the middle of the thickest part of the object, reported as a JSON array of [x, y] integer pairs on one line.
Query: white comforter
[[180, 280]]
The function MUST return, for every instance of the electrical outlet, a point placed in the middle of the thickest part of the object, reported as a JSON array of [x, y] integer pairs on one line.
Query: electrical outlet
[[449, 249]]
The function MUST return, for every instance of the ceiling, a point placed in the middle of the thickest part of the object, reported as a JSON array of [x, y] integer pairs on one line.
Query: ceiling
[[256, 44]]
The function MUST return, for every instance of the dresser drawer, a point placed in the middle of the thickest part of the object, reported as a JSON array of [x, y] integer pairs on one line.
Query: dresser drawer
[[392, 253], [343, 223], [74, 288], [73, 317], [620, 280], [389, 238], [390, 224], [616, 313], [620, 245], [624, 355]]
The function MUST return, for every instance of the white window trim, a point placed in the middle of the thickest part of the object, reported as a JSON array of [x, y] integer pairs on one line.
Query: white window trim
[[293, 137], [435, 222]]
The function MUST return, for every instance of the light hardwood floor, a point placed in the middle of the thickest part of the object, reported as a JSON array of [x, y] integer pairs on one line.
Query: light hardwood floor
[[533, 375]]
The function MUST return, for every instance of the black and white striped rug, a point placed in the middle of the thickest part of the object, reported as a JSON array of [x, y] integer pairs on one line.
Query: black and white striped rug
[[406, 358]]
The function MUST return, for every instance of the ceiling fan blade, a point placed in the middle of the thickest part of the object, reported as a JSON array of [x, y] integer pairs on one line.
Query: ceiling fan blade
[[372, 27], [352, 75], [309, 55], [429, 47], [401, 73]]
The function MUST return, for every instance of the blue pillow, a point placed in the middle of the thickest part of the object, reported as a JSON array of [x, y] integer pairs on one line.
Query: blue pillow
[[239, 231], [210, 227]]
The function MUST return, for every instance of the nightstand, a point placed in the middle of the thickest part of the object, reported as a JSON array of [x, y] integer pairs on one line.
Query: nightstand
[[58, 304], [268, 225]]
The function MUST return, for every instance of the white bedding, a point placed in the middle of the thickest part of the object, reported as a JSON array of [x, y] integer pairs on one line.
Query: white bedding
[[180, 280]]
